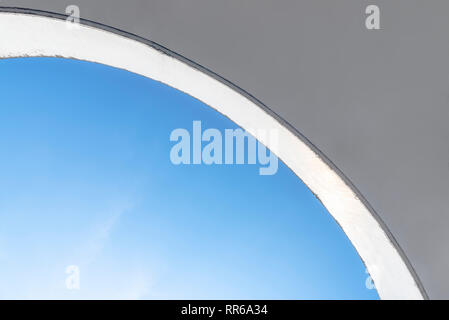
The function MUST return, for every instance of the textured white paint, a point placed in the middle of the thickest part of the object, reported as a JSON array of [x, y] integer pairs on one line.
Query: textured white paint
[[25, 35]]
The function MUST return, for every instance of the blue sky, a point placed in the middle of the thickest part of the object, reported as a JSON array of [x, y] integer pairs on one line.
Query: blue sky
[[86, 180]]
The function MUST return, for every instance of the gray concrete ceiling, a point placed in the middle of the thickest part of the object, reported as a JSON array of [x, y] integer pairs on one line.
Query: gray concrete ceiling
[[375, 102]]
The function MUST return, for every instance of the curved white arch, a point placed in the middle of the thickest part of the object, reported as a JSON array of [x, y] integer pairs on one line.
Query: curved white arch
[[24, 35]]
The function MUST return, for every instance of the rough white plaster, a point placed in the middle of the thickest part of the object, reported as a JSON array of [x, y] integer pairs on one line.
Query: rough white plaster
[[26, 35]]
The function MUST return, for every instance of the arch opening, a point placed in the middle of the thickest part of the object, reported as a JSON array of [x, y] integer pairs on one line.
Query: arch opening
[[35, 35]]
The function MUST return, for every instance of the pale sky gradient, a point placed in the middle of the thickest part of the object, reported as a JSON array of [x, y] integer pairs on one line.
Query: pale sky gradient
[[86, 180]]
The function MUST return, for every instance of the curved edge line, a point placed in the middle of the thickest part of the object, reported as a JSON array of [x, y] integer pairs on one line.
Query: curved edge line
[[274, 115]]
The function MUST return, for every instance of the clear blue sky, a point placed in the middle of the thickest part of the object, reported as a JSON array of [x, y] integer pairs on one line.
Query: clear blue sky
[[86, 180]]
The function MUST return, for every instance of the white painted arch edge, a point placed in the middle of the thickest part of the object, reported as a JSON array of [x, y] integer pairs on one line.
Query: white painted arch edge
[[23, 35]]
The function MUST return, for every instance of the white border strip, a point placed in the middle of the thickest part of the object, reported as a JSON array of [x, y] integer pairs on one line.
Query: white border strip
[[23, 35]]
